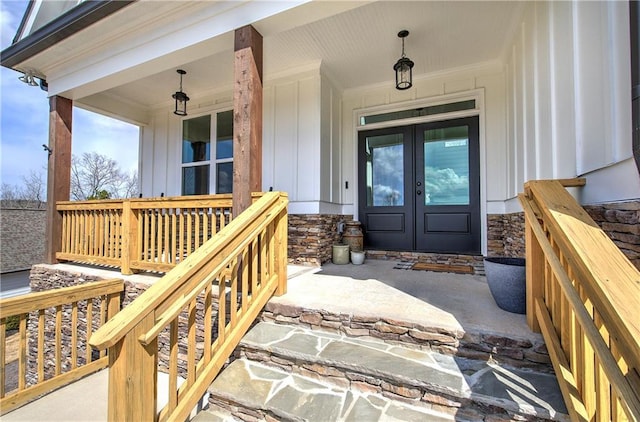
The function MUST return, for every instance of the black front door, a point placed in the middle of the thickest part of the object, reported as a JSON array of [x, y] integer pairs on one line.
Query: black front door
[[420, 187]]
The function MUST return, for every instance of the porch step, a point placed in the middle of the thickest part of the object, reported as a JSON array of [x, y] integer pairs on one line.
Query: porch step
[[294, 373]]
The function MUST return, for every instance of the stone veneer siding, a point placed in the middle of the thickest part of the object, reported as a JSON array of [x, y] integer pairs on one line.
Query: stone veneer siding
[[311, 237], [22, 238], [621, 222], [484, 346], [505, 235]]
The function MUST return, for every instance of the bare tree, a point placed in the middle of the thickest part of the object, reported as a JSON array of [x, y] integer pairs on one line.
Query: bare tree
[[30, 194], [96, 176], [33, 186]]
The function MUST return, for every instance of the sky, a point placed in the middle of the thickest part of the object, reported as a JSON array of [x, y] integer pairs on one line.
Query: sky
[[24, 120]]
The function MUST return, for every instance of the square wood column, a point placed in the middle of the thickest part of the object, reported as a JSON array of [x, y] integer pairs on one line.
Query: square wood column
[[247, 117], [59, 171]]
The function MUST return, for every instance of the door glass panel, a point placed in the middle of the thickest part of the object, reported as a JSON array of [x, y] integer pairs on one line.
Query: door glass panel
[[196, 139], [446, 166], [385, 170]]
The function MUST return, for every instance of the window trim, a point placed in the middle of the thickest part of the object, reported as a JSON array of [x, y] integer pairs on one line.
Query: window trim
[[213, 161]]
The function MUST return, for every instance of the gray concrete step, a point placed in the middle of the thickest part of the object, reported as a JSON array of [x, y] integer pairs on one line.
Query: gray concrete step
[[293, 373]]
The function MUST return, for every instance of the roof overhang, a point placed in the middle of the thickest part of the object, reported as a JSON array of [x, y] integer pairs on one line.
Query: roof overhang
[[68, 24]]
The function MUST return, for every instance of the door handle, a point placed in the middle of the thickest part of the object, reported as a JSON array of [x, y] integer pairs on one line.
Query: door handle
[[419, 192]]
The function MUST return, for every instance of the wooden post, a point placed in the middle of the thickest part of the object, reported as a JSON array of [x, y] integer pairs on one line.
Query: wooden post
[[247, 117], [535, 275], [59, 171], [130, 245], [133, 388], [281, 252]]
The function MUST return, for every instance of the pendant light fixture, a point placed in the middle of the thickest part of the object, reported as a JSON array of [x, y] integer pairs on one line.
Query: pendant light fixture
[[180, 97], [403, 67]]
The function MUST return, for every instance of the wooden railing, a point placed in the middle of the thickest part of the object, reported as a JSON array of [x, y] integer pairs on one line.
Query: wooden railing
[[54, 327], [151, 234], [189, 322], [583, 294]]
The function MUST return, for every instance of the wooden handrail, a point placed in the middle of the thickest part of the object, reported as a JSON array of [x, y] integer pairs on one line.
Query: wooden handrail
[[247, 261], [90, 304], [583, 294]]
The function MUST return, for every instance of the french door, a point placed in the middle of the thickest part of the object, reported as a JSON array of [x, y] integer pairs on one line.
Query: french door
[[419, 187]]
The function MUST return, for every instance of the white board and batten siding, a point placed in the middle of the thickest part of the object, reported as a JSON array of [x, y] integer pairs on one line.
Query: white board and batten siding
[[555, 105]]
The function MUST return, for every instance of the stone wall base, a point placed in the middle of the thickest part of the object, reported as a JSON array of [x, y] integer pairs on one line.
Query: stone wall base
[[505, 235], [311, 237], [485, 346], [621, 222]]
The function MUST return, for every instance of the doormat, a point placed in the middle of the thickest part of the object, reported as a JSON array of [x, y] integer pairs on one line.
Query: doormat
[[403, 265], [443, 268]]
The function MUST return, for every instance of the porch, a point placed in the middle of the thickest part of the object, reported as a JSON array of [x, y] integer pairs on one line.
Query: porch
[[458, 307], [214, 295]]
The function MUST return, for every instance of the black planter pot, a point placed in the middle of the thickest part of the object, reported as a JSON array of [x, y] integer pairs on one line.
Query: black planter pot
[[507, 281]]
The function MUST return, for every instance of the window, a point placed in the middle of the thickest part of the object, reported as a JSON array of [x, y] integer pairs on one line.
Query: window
[[418, 112], [197, 161]]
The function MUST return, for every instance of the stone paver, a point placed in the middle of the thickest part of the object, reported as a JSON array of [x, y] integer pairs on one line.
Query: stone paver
[[294, 397], [407, 372]]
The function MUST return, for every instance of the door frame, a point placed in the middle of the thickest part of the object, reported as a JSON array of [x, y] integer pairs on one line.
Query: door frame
[[476, 94]]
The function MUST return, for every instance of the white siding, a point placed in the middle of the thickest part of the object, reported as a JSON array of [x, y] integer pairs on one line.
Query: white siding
[[569, 99], [555, 106], [297, 142]]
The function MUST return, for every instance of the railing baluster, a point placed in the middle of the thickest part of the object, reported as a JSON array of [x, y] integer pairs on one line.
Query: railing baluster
[[89, 316], [74, 335], [22, 354], [222, 308], [173, 365], [58, 346], [233, 295], [172, 249], [208, 314], [191, 343], [245, 266], [205, 224], [145, 245], [181, 236], [139, 246], [65, 235], [196, 228], [153, 237], [189, 232], [41, 333], [103, 319], [3, 354], [166, 236], [254, 268], [119, 235]]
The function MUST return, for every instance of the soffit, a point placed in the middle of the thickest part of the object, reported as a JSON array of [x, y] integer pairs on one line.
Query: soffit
[[356, 43]]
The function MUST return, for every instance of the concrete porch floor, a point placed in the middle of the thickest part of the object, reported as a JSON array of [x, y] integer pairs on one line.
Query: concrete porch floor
[[455, 302], [377, 288]]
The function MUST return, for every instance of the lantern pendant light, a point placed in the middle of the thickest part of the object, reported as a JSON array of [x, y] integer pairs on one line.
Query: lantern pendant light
[[180, 97], [403, 67]]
